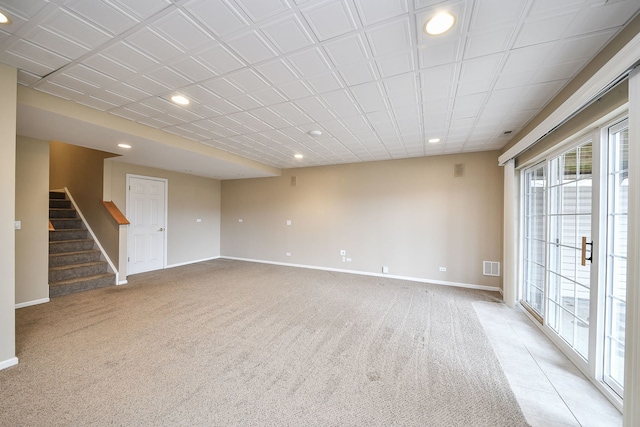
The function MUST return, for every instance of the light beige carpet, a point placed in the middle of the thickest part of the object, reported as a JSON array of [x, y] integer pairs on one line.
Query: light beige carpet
[[230, 343]]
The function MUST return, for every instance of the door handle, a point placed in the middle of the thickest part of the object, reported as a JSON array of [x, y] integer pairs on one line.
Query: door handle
[[161, 229], [584, 251]]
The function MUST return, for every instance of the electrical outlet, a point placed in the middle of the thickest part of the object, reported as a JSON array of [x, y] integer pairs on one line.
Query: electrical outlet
[[198, 220], [348, 259], [344, 259], [288, 253], [288, 222], [343, 252], [240, 220], [443, 269], [385, 269], [18, 225]]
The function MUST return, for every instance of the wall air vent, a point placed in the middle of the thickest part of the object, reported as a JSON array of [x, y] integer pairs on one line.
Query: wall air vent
[[490, 268]]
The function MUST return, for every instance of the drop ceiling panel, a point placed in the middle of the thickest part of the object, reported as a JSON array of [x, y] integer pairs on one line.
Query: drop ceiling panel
[[217, 15], [262, 73], [330, 19], [143, 8], [252, 47], [374, 11], [110, 18], [346, 51], [75, 29], [182, 31], [259, 10], [219, 58], [390, 37], [288, 34], [55, 42], [153, 44]]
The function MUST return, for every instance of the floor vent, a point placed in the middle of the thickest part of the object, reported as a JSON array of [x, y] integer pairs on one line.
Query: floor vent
[[491, 268]]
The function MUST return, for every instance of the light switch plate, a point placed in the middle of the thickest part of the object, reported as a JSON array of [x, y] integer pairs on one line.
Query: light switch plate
[[18, 225]]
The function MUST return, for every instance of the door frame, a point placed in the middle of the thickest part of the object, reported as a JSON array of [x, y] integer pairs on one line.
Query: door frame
[[166, 212]]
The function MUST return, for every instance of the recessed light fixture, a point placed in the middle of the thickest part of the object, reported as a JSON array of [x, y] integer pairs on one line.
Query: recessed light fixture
[[124, 146], [180, 100], [4, 19], [439, 24], [298, 156], [434, 140], [315, 132]]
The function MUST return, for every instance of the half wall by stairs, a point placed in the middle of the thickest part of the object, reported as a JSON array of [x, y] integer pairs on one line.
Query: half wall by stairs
[[75, 262]]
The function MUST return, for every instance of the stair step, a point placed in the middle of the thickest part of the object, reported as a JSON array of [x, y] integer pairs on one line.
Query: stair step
[[68, 234], [77, 245], [62, 213], [57, 195], [60, 203], [70, 286], [66, 223], [65, 272], [78, 257]]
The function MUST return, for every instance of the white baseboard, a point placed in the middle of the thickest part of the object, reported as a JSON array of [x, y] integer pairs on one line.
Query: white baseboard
[[34, 302], [365, 273], [8, 363], [124, 282], [192, 262]]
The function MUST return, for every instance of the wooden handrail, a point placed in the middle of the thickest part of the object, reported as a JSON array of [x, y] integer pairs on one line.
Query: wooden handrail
[[51, 228], [115, 213]]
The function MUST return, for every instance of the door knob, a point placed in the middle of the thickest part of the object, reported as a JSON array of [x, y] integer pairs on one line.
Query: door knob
[[161, 229]]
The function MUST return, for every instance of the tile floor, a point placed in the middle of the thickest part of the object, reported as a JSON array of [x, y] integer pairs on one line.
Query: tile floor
[[551, 391]]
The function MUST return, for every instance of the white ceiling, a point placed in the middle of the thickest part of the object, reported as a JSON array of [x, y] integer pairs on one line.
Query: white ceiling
[[262, 73]]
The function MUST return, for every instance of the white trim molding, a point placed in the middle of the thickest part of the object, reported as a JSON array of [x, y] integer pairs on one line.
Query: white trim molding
[[510, 236], [618, 65], [8, 363], [631, 411], [34, 302], [366, 273]]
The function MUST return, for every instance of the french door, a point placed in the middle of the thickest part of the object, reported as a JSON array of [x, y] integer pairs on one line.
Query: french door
[[572, 284]]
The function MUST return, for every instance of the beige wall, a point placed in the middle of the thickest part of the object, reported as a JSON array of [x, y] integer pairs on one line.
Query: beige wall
[[189, 198], [32, 209], [8, 87], [411, 215], [81, 171]]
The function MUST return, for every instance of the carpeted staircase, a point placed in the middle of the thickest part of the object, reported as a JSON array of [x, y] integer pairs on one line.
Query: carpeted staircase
[[75, 262]]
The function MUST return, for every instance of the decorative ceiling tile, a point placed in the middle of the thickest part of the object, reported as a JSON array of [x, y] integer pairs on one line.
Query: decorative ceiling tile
[[374, 11], [330, 19], [287, 34], [390, 37], [182, 31], [108, 17], [259, 10], [252, 47], [218, 16], [143, 8]]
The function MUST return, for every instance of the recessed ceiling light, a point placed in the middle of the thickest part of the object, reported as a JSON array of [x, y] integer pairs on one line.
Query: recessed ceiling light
[[4, 18], [124, 146], [440, 23], [179, 99], [298, 156], [315, 132], [434, 140]]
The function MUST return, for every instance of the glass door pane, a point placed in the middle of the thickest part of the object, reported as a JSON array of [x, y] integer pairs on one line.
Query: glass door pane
[[569, 219], [534, 238], [616, 269]]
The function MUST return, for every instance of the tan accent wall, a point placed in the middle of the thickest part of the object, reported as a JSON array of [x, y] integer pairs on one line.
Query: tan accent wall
[[32, 209], [8, 88], [411, 215], [189, 198]]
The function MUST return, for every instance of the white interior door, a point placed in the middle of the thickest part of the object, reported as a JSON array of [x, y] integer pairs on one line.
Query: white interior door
[[146, 210]]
